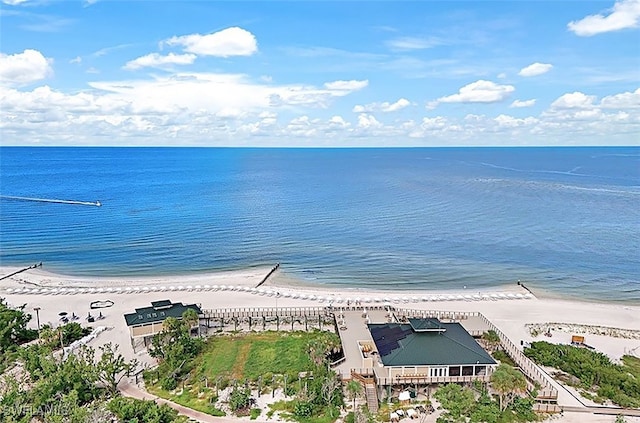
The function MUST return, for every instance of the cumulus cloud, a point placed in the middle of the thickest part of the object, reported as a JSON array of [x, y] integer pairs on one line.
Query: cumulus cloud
[[523, 103], [624, 14], [367, 121], [24, 68], [14, 2], [382, 107], [352, 85], [158, 60], [575, 100], [480, 91], [535, 69], [512, 122], [226, 43], [627, 100]]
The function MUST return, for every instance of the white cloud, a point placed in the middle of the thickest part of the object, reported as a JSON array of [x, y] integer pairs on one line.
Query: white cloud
[[624, 14], [24, 68], [158, 60], [535, 69], [512, 122], [414, 43], [367, 121], [575, 100], [479, 92], [382, 107], [226, 43], [628, 100], [523, 103], [76, 60], [352, 85], [14, 2]]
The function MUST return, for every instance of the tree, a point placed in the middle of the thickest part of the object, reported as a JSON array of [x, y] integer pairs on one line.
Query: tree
[[354, 389], [508, 382], [458, 401], [190, 318], [491, 339], [113, 367], [13, 327]]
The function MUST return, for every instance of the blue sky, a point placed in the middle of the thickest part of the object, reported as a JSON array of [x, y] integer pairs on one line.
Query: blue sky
[[331, 73]]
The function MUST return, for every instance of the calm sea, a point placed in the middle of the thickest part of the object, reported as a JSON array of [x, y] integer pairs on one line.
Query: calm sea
[[562, 220]]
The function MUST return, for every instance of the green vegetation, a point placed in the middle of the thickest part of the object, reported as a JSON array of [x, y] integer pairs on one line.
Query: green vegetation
[[294, 361], [54, 387], [13, 332], [133, 410], [503, 358], [464, 404], [593, 371]]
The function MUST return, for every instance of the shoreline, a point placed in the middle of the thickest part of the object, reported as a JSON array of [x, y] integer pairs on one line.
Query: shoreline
[[37, 277], [513, 315]]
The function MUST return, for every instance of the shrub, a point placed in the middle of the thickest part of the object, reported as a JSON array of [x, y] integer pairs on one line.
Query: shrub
[[255, 413]]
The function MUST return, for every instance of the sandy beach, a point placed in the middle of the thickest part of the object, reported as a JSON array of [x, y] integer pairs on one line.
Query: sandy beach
[[510, 307]]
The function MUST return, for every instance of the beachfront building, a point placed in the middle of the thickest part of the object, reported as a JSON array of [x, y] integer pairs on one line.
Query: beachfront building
[[148, 321], [417, 353], [428, 351]]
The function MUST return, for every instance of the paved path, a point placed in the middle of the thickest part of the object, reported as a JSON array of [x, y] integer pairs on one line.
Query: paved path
[[132, 391]]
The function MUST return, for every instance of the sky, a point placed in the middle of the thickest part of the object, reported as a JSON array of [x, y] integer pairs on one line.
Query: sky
[[323, 73]]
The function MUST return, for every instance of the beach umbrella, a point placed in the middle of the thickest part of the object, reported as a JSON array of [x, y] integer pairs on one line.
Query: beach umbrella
[[519, 296], [189, 288], [172, 288], [468, 297], [312, 297], [415, 299], [511, 296], [528, 295], [294, 295], [180, 287], [128, 290], [286, 294], [215, 287], [207, 287]]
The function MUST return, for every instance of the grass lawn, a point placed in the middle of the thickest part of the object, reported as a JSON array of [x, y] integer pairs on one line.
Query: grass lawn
[[248, 356]]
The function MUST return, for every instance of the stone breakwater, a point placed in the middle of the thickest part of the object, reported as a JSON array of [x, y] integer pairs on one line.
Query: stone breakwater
[[536, 329]]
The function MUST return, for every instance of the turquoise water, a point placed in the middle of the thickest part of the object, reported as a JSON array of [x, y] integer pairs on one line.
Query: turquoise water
[[564, 220]]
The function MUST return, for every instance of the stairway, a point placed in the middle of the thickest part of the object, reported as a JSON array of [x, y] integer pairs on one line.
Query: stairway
[[371, 393]]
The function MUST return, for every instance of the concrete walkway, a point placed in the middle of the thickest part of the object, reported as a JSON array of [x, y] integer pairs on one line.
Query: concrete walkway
[[132, 391]]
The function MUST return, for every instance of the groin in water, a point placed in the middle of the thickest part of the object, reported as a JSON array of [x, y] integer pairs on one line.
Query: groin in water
[[51, 200]]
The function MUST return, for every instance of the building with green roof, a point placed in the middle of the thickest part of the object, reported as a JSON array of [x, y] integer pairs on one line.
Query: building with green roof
[[147, 321], [429, 350]]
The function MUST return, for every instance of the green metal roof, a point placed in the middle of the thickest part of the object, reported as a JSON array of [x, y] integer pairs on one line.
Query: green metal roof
[[423, 325], [159, 311], [401, 345]]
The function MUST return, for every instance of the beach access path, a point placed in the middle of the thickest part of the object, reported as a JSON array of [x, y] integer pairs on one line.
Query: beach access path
[[132, 391]]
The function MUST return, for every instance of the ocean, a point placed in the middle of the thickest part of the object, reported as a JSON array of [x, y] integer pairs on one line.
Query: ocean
[[564, 221]]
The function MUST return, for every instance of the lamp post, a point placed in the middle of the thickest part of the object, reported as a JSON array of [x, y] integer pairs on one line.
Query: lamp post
[[277, 295], [37, 310]]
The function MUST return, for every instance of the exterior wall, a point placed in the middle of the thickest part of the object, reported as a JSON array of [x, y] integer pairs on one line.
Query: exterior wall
[[429, 374], [145, 330]]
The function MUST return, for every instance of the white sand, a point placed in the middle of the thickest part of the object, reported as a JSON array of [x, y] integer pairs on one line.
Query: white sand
[[509, 315]]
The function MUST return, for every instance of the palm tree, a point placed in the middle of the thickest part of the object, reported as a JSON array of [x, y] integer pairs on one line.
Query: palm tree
[[354, 389], [508, 382], [190, 318], [491, 339]]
